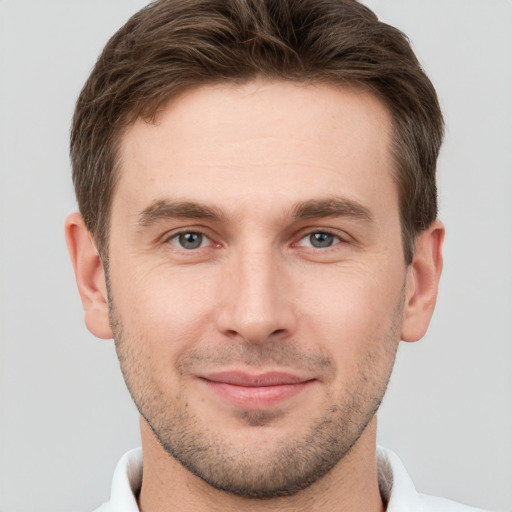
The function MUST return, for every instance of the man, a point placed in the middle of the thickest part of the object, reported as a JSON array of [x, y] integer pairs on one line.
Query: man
[[257, 231]]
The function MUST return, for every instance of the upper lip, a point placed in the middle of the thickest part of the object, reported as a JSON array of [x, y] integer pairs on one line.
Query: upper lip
[[240, 378]]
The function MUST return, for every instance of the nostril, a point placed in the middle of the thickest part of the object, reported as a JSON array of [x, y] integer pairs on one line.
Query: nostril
[[278, 331]]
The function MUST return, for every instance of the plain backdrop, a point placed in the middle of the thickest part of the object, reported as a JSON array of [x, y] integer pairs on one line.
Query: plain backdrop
[[65, 417]]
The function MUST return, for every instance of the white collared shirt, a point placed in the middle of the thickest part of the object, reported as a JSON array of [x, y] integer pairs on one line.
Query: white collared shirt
[[395, 485]]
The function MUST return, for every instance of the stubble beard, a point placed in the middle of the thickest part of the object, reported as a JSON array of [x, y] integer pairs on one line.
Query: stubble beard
[[251, 471]]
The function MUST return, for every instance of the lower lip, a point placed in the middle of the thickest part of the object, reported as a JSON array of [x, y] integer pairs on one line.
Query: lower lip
[[259, 397]]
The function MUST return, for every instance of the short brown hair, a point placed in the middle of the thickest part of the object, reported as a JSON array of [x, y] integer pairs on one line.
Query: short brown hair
[[173, 45]]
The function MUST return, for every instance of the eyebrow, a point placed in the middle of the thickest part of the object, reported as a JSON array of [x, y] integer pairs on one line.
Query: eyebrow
[[332, 207], [314, 208], [164, 209]]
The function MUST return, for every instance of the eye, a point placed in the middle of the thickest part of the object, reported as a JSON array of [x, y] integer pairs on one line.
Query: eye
[[189, 240], [319, 240]]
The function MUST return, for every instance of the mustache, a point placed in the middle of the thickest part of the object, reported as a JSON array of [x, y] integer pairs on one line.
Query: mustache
[[271, 353]]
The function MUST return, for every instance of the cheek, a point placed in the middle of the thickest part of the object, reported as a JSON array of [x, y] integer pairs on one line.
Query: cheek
[[361, 334], [168, 311], [355, 312]]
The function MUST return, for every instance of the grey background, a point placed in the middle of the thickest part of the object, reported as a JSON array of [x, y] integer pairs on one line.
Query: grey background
[[65, 417]]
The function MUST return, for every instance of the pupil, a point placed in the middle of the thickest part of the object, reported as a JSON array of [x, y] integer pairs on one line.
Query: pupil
[[191, 240], [321, 239]]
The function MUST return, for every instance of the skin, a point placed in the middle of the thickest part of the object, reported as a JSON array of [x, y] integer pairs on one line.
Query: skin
[[256, 175]]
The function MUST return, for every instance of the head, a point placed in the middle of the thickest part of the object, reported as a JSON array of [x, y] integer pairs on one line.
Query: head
[[259, 177], [173, 46]]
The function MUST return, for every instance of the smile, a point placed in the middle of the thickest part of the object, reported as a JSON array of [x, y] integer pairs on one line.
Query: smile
[[256, 392]]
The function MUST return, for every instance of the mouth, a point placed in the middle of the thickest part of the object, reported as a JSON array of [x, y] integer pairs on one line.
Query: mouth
[[256, 391]]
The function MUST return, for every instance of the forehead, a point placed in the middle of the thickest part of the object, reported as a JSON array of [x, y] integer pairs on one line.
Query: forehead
[[258, 139]]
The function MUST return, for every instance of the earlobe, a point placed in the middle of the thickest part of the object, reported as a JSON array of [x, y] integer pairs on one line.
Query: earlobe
[[90, 276], [422, 282]]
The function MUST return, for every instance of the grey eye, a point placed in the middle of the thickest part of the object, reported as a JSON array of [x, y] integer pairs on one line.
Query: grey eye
[[320, 240], [189, 240]]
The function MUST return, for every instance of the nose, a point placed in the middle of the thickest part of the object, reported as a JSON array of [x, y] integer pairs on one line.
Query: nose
[[256, 299]]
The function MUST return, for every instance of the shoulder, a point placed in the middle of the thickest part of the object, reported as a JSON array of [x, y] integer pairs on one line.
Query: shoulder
[[398, 490], [434, 504], [104, 508]]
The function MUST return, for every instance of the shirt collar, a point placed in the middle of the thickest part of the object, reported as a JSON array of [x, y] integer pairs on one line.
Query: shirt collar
[[396, 487], [126, 483]]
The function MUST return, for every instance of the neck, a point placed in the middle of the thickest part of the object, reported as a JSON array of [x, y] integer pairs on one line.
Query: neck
[[352, 485]]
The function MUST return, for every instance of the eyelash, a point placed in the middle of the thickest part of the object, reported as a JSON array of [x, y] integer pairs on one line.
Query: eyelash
[[337, 239], [179, 234]]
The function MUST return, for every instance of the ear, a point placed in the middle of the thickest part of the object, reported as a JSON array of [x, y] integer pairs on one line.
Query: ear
[[422, 282], [89, 274]]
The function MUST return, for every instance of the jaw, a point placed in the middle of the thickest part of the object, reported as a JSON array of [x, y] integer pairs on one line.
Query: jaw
[[350, 485]]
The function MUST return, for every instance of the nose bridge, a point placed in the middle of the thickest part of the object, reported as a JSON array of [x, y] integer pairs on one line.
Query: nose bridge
[[256, 305]]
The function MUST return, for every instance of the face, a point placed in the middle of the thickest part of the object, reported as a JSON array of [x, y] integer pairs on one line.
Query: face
[[257, 279]]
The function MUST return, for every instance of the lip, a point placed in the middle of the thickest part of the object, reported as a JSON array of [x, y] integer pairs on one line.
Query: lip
[[256, 391]]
